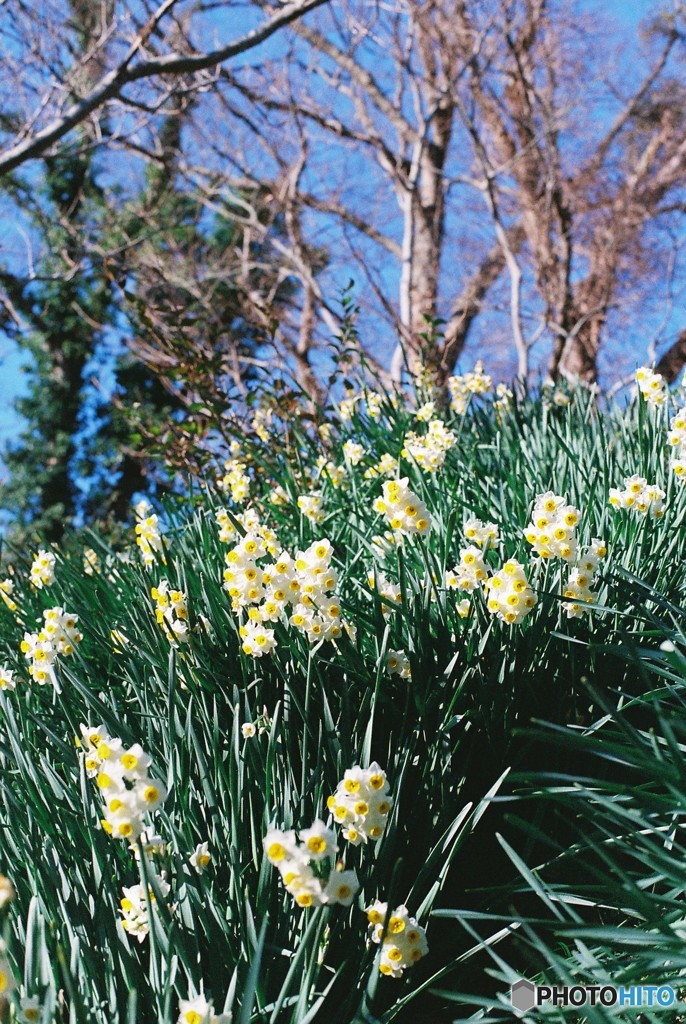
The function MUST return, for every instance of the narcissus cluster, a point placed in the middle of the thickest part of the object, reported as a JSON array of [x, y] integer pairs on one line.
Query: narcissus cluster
[[305, 866], [398, 664], [509, 595], [148, 536], [580, 579], [235, 481], [429, 450], [59, 635], [42, 572], [134, 907], [387, 590], [651, 385], [121, 775], [486, 535], [403, 941], [353, 452], [387, 465], [304, 585], [677, 440], [171, 612], [328, 470], [310, 505], [405, 512], [461, 388], [639, 496], [552, 530], [470, 572], [361, 803]]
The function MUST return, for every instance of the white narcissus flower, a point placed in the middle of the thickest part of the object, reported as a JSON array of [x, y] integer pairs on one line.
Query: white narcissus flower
[[29, 1009], [7, 679], [199, 1011], [202, 858], [7, 892], [342, 888], [398, 664], [319, 840], [194, 1011], [248, 730], [7, 980]]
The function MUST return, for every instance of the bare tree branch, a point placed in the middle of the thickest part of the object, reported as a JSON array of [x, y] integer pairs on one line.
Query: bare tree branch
[[112, 83]]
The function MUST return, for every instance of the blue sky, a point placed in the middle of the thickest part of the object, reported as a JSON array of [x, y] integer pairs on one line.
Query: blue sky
[[12, 386]]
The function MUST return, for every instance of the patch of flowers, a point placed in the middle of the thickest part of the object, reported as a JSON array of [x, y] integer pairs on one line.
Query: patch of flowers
[[304, 584], [361, 803], [328, 470], [59, 635], [310, 505], [429, 450], [171, 612], [639, 496], [121, 774], [402, 940], [306, 868], [651, 385], [42, 572], [486, 535], [148, 536], [677, 440], [552, 530], [510, 597], [134, 907], [235, 481], [461, 388], [405, 512]]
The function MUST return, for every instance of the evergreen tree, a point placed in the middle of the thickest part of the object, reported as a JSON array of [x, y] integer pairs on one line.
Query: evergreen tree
[[67, 310]]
